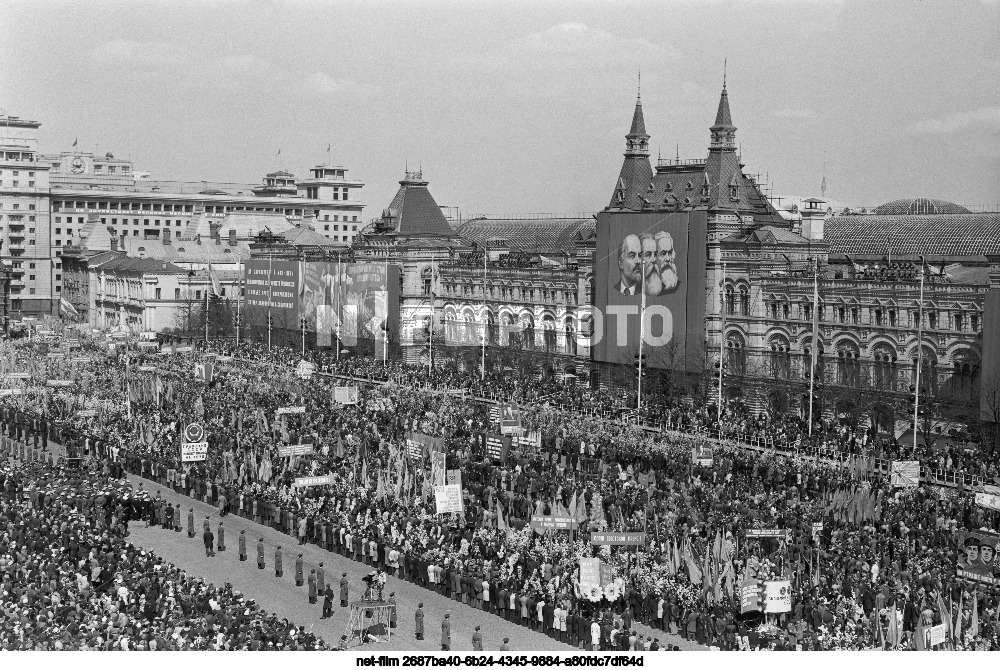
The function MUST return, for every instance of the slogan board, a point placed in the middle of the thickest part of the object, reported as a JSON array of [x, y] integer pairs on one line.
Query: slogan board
[[448, 498], [85, 413], [302, 482], [777, 533], [494, 413], [353, 302], [6, 392], [438, 468], [288, 450], [418, 444], [703, 454], [18, 375], [905, 474], [305, 370], [194, 451], [751, 596], [203, 371], [345, 395], [618, 539], [272, 288], [543, 523], [292, 410], [59, 382], [977, 556], [778, 596], [510, 419], [497, 447], [590, 574], [938, 634], [529, 443], [817, 528], [673, 283]]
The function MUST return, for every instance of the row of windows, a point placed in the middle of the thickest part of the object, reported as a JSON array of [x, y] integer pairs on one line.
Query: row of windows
[[15, 205], [16, 183], [877, 316], [58, 205], [17, 173], [337, 227]]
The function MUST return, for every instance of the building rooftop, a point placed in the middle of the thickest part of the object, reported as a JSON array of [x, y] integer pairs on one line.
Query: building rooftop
[[247, 225], [533, 236], [933, 236], [414, 212], [920, 206]]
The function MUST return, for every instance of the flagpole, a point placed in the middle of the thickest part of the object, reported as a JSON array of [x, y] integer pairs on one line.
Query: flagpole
[[920, 351], [722, 339], [270, 287], [207, 289], [385, 326], [815, 343], [482, 365], [642, 336], [430, 331], [339, 270], [239, 292]]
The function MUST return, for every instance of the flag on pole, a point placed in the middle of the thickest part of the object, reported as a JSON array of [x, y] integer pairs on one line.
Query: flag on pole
[[75, 139], [214, 279], [974, 624]]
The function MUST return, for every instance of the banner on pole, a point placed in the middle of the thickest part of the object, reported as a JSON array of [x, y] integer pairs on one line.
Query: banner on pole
[[305, 370], [448, 499], [977, 556], [345, 395], [418, 444], [590, 574], [938, 633], [194, 451], [778, 596], [905, 474], [496, 447], [302, 482], [544, 523], [751, 596], [777, 533], [292, 410], [703, 454], [510, 419], [288, 450], [817, 528], [203, 371], [618, 539], [438, 468]]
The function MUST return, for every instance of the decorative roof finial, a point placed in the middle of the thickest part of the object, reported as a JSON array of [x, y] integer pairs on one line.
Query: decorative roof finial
[[725, 63], [678, 153], [638, 91]]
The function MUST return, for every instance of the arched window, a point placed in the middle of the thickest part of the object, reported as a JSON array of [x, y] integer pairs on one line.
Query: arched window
[[528, 335], [848, 364], [744, 301], [781, 361], [885, 367], [807, 361], [736, 355], [928, 370], [730, 300], [549, 333], [570, 336], [965, 372]]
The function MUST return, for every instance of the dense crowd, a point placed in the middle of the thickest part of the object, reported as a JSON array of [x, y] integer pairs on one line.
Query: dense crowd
[[881, 569], [71, 580]]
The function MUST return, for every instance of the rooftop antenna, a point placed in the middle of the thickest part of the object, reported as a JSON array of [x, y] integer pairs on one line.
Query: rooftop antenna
[[678, 149]]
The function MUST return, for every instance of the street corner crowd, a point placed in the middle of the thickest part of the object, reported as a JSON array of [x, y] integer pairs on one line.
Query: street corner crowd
[[70, 580], [878, 572]]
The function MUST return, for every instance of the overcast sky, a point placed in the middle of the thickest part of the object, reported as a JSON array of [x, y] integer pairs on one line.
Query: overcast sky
[[519, 107]]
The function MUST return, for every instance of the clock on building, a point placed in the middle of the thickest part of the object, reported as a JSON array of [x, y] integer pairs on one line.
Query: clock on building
[[76, 165]]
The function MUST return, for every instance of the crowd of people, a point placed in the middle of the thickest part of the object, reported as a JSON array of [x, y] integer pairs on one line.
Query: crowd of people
[[71, 580], [870, 566]]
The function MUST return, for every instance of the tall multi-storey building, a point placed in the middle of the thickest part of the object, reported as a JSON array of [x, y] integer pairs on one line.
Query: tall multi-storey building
[[46, 199], [24, 220]]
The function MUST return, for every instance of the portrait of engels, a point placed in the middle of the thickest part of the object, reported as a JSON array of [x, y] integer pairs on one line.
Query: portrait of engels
[[655, 253]]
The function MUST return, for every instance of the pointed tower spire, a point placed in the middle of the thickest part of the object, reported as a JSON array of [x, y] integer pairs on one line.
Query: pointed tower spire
[[637, 140], [636, 173], [723, 131]]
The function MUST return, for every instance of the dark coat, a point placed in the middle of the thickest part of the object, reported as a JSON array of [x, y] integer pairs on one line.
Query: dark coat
[[260, 552], [243, 544], [343, 588], [445, 632], [419, 621]]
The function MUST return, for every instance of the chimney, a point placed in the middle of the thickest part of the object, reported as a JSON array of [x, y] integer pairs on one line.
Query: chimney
[[214, 228], [197, 239], [114, 243], [166, 236], [232, 237]]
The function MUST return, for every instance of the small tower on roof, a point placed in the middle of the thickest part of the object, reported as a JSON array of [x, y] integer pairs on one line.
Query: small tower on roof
[[723, 131], [637, 172]]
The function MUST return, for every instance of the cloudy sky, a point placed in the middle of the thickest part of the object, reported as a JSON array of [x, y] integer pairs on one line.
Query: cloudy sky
[[517, 107]]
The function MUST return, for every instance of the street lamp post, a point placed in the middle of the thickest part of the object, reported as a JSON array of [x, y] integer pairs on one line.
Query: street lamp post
[[302, 322]]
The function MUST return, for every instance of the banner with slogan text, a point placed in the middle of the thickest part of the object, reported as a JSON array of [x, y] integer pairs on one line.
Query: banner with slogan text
[[287, 450], [543, 523], [291, 410], [618, 539], [418, 444], [345, 395], [194, 451], [775, 533], [703, 454], [988, 500], [303, 482], [510, 419], [448, 498], [778, 596]]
